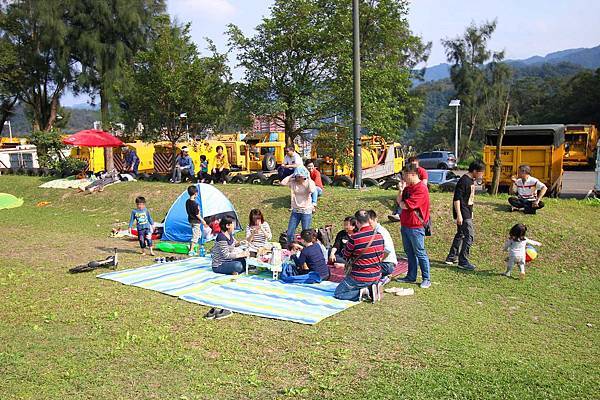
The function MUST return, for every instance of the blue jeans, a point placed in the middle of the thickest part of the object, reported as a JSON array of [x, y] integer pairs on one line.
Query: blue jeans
[[315, 195], [231, 266], [349, 289], [413, 240], [143, 238], [295, 220], [387, 268]]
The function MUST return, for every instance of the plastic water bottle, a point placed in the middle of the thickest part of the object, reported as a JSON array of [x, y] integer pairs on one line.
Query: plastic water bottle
[[202, 252]]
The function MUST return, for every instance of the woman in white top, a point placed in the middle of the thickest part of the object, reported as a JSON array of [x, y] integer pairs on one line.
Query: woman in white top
[[258, 231]]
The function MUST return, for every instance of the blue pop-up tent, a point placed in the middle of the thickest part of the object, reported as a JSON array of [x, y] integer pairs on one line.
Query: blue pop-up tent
[[212, 203]]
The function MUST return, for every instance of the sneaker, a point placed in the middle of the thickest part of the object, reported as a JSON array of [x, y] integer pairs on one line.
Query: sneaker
[[394, 217], [507, 274], [374, 291], [385, 280], [192, 253], [211, 314], [467, 267], [425, 284], [450, 261], [223, 313], [364, 295], [405, 280]]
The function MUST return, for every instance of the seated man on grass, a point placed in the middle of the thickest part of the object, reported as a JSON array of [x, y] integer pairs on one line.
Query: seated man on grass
[[530, 192], [184, 167], [291, 161]]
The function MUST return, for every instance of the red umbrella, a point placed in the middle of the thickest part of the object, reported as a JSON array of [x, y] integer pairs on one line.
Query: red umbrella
[[93, 138]]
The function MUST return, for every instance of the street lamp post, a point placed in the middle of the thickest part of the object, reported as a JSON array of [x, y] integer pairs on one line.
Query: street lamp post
[[455, 103], [357, 106], [9, 128]]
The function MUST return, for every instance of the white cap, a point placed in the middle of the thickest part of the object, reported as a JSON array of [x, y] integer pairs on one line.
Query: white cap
[[184, 148]]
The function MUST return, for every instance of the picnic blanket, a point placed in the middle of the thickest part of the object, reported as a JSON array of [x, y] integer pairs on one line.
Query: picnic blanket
[[9, 201], [192, 280], [67, 183]]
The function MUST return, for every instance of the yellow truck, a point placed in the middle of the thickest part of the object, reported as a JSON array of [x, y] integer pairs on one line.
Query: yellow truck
[[255, 152], [95, 158], [542, 147], [580, 145], [382, 162]]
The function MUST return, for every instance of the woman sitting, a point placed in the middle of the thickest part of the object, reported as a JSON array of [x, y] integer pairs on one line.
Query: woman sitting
[[341, 239], [258, 231], [226, 257], [311, 257]]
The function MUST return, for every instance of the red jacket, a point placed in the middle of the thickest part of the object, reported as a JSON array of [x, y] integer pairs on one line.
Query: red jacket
[[415, 197], [315, 175]]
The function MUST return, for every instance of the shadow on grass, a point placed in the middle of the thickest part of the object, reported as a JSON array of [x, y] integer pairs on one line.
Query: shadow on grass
[[487, 273], [119, 250], [505, 207], [278, 202]]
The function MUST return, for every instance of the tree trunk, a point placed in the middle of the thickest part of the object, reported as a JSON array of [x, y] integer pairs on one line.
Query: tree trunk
[[465, 150], [289, 129], [497, 160], [7, 108], [109, 161], [52, 114]]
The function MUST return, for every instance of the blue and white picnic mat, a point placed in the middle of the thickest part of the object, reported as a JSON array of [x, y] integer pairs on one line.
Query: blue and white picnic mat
[[192, 280]]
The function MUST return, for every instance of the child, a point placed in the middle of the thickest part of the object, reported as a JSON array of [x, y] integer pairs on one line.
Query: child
[[311, 255], [145, 224], [516, 245], [203, 175], [258, 231], [197, 223]]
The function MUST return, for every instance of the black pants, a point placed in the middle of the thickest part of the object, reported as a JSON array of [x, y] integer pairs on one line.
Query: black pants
[[461, 245], [219, 176], [526, 205], [204, 176]]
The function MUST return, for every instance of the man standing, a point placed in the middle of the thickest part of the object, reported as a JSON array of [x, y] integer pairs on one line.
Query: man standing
[[530, 192], [388, 265], [365, 250], [422, 172], [413, 198], [462, 211], [132, 161], [291, 161], [184, 166]]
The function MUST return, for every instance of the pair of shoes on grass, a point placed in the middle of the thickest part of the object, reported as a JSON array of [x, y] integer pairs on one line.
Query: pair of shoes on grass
[[399, 291], [218, 313]]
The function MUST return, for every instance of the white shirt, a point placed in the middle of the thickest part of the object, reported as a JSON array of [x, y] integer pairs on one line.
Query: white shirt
[[388, 245], [528, 189], [516, 248], [294, 159]]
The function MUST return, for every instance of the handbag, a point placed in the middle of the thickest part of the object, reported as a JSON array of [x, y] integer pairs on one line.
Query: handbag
[[350, 262], [426, 224]]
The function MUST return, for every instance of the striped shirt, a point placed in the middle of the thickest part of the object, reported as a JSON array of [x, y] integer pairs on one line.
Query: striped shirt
[[366, 268], [527, 189], [224, 250], [261, 237]]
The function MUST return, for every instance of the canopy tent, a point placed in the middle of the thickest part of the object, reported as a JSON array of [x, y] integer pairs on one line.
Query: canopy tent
[[212, 203], [93, 138]]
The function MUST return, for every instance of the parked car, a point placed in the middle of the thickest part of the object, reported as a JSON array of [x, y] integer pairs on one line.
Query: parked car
[[437, 160], [442, 178]]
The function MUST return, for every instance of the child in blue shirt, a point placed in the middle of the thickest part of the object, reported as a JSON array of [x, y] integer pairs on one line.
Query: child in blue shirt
[[311, 257], [145, 224], [203, 175]]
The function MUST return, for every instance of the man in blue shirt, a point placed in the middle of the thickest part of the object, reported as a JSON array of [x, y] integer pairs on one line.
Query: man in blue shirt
[[184, 166], [132, 161]]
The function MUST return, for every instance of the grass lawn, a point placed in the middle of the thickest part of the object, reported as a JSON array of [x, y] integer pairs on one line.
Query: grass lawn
[[471, 336]]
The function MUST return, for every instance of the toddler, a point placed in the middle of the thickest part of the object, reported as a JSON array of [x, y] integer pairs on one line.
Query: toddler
[[145, 224], [516, 245]]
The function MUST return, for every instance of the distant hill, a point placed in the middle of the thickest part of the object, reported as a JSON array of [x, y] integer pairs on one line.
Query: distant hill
[[582, 57]]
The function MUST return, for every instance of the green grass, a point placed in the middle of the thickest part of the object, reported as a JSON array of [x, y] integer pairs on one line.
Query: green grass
[[471, 336]]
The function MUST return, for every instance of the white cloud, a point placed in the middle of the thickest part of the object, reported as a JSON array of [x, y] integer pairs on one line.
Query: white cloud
[[202, 9]]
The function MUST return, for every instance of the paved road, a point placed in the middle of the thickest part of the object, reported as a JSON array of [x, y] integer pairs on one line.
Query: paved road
[[576, 184]]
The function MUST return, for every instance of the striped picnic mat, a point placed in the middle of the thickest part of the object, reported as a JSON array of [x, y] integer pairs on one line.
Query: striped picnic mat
[[192, 280]]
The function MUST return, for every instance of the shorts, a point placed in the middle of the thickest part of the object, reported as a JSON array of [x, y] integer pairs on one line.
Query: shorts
[[196, 233]]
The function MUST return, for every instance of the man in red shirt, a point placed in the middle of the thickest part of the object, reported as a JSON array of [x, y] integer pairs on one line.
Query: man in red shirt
[[422, 172], [413, 198], [315, 175], [365, 249]]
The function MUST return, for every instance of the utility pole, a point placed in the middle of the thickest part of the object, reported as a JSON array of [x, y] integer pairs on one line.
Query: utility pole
[[357, 105]]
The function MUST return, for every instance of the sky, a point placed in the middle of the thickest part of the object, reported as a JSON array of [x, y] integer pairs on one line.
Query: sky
[[525, 27]]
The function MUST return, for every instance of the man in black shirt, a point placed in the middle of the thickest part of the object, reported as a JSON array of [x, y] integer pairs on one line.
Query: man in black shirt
[[462, 211]]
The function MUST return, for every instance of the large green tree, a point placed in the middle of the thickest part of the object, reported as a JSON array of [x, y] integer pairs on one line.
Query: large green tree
[[41, 36], [298, 66], [479, 77], [169, 87], [107, 34]]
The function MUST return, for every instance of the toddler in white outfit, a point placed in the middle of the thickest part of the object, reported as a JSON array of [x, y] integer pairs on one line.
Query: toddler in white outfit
[[516, 245]]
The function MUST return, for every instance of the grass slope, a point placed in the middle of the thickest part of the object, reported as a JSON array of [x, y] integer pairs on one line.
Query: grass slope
[[471, 336]]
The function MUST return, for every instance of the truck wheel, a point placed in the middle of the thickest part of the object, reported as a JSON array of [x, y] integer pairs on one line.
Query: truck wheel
[[442, 166], [390, 184], [274, 180], [269, 163], [368, 182], [257, 179], [237, 179], [342, 181], [326, 180]]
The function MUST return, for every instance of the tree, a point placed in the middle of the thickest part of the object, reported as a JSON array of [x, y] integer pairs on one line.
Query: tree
[[41, 37], [169, 86], [476, 83], [11, 77]]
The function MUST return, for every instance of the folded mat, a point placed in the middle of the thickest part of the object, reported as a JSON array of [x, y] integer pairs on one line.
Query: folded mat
[[192, 280], [9, 201], [67, 183]]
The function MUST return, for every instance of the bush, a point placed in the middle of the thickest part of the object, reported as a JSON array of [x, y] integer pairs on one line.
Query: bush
[[67, 166]]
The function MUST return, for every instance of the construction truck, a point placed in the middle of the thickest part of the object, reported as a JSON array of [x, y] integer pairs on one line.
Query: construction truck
[[542, 147], [580, 145], [382, 162], [94, 157], [163, 154]]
